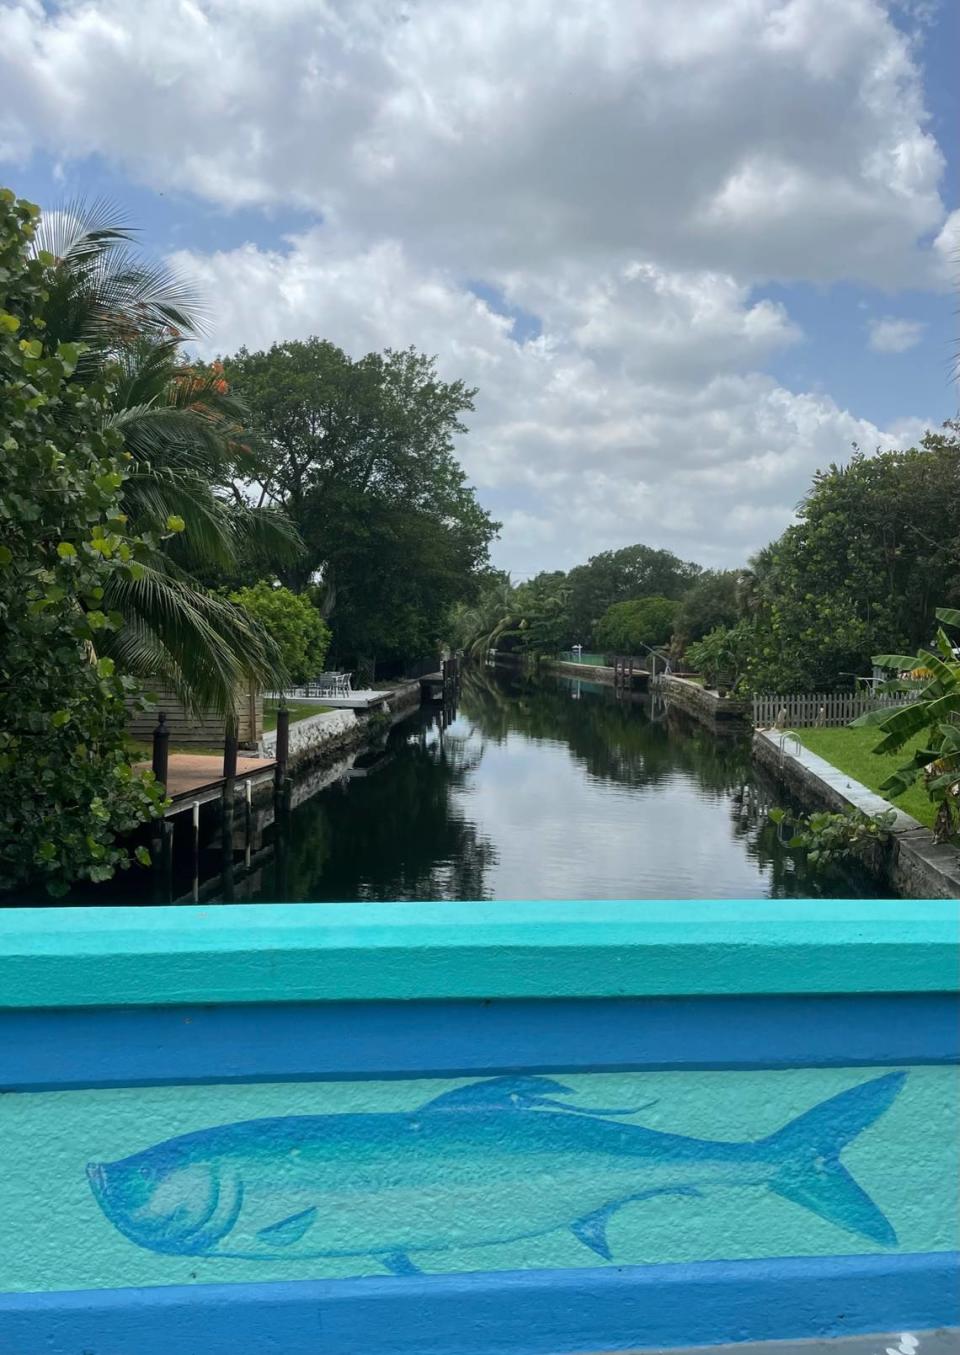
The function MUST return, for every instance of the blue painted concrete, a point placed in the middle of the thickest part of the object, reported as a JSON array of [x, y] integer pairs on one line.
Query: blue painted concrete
[[117, 1047], [519, 1313], [358, 952]]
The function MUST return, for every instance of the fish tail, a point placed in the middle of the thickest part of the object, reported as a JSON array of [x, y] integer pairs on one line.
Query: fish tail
[[809, 1149]]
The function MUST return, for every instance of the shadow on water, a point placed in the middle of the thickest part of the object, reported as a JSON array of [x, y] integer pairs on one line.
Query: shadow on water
[[533, 789]]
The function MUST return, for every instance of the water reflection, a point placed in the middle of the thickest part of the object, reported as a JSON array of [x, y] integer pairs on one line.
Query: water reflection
[[544, 790], [530, 790]]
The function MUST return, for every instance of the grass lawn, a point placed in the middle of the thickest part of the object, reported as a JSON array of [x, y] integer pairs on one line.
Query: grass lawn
[[300, 710], [851, 750], [590, 660]]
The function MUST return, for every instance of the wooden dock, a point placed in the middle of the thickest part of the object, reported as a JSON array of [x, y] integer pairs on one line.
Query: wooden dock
[[195, 778]]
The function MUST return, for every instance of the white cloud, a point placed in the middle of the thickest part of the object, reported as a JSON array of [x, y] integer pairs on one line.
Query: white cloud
[[630, 172], [606, 429], [894, 335], [762, 138]]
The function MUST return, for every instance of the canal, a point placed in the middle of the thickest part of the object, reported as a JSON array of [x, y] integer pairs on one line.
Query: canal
[[530, 789], [543, 790]]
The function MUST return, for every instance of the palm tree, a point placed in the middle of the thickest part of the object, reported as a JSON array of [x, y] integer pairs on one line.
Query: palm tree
[[179, 424]]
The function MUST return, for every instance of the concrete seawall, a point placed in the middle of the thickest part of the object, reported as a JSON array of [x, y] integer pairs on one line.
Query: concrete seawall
[[913, 863], [593, 672], [723, 714]]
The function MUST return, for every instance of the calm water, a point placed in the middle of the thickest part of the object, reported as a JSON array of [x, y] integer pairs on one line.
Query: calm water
[[540, 791], [532, 790]]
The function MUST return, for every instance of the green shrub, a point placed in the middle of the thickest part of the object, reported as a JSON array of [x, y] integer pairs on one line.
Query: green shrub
[[293, 623]]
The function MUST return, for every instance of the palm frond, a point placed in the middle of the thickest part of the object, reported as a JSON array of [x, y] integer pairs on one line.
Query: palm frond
[[102, 291], [80, 229], [207, 649], [152, 495], [265, 534]]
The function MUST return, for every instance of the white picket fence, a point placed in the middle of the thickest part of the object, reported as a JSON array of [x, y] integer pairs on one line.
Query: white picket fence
[[827, 709]]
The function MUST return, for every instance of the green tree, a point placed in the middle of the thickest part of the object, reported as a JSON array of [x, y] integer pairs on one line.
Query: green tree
[[360, 455], [619, 575], [634, 626], [877, 544], [292, 622], [712, 600], [178, 425], [66, 787]]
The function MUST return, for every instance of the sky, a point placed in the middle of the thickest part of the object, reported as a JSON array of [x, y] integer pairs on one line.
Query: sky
[[688, 251]]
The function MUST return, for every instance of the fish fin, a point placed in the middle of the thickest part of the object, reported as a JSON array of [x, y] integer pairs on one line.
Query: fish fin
[[398, 1263], [290, 1229], [828, 1189], [518, 1093], [829, 1127], [498, 1091], [809, 1149], [591, 1230]]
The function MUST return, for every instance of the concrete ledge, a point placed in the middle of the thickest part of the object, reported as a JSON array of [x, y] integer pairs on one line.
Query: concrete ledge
[[593, 672], [719, 713], [353, 952], [915, 864]]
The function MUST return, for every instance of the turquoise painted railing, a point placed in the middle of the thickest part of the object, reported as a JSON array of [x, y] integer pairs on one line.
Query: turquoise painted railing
[[466, 1128]]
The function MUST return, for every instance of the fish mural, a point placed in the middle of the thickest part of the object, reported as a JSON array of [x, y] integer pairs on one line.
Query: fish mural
[[490, 1162]]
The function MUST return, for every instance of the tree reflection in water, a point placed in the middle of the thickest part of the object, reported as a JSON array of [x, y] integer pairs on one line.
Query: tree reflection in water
[[539, 789]]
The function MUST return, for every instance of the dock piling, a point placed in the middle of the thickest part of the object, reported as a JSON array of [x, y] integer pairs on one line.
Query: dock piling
[[283, 745], [230, 755], [161, 749]]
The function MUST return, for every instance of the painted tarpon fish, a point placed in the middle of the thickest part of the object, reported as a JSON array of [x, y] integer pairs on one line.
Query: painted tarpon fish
[[492, 1161]]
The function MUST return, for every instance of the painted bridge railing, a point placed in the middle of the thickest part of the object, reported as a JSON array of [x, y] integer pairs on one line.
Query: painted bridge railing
[[471, 1128]]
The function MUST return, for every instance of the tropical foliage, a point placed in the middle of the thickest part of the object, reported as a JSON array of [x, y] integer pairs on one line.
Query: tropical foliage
[[178, 426], [555, 610], [292, 622], [827, 838], [933, 674], [67, 551], [722, 655]]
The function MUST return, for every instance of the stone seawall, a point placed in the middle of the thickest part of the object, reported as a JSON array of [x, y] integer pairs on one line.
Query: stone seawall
[[312, 733], [326, 738], [720, 713], [913, 863]]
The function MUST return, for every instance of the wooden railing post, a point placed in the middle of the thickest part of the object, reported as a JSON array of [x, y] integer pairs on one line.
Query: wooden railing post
[[161, 749], [283, 745]]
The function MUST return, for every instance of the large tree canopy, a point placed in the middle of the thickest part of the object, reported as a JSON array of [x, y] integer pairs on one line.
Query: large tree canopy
[[635, 626], [360, 455], [618, 576]]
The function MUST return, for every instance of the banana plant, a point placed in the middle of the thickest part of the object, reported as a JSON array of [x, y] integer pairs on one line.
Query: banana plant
[[934, 676]]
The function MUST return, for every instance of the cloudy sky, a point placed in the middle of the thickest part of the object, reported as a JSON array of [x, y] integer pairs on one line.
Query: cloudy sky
[[688, 250]]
